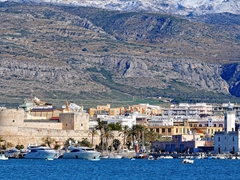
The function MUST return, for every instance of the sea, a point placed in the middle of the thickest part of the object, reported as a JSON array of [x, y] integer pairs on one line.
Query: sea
[[119, 169]]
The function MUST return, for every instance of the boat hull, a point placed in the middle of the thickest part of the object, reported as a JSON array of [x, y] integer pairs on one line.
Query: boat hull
[[80, 155], [40, 155]]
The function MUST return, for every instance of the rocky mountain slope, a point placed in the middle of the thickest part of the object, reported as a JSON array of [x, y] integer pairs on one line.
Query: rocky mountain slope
[[180, 7], [81, 53]]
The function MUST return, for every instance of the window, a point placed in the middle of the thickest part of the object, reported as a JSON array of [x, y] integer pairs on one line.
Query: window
[[163, 130], [169, 130], [176, 130], [200, 125], [215, 125], [218, 139], [157, 130], [220, 125]]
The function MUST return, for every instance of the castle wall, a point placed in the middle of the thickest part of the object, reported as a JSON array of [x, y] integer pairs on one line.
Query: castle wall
[[46, 125], [11, 117], [25, 135]]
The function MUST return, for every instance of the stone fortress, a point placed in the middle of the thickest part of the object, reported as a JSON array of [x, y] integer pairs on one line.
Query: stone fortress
[[35, 120]]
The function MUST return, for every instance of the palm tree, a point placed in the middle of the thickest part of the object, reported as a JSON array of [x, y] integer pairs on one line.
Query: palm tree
[[137, 133], [101, 126], [48, 140], [124, 132], [151, 136], [93, 132], [67, 142], [108, 134]]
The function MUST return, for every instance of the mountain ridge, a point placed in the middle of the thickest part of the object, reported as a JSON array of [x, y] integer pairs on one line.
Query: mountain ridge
[[177, 7], [83, 53]]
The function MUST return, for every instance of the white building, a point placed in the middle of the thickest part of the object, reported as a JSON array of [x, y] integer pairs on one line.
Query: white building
[[128, 120], [160, 121], [228, 141]]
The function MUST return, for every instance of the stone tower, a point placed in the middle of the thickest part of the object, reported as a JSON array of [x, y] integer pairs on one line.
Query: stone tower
[[74, 121]]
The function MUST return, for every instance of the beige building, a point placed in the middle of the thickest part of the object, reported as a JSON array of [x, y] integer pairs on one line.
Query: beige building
[[16, 129]]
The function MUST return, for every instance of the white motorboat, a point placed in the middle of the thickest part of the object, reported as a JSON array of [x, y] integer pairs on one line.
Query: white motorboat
[[40, 152], [95, 159], [150, 157], [81, 153], [12, 153], [187, 161], [115, 156], [3, 157]]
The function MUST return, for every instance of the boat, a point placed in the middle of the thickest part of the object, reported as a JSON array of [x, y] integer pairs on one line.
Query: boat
[[187, 161], [140, 156], [150, 157], [40, 152], [3, 157], [49, 159], [132, 159], [95, 159], [80, 152], [115, 156], [12, 153]]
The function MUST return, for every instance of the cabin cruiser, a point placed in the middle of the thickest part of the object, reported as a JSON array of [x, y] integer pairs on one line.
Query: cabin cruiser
[[40, 152], [80, 152], [12, 153]]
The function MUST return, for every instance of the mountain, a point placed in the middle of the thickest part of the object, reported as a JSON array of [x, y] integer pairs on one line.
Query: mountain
[[179, 7], [93, 56]]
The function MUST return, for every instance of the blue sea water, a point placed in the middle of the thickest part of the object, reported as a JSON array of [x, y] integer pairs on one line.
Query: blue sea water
[[119, 169]]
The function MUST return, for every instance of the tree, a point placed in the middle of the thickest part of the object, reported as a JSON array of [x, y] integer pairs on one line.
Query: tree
[[108, 134], [115, 126], [67, 142], [116, 143], [93, 132], [101, 126], [48, 141], [85, 142], [19, 146], [150, 136], [124, 132]]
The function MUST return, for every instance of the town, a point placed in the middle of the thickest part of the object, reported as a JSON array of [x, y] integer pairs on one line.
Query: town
[[199, 128]]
